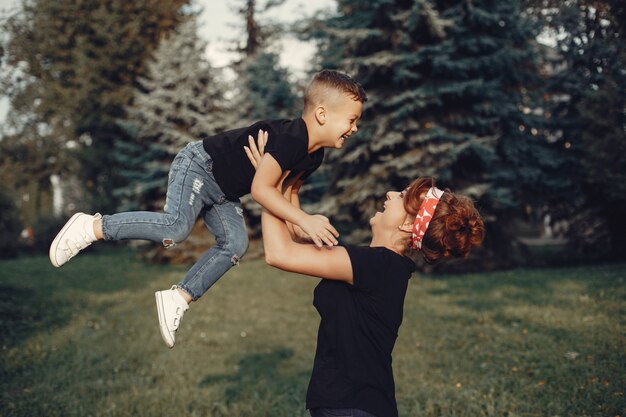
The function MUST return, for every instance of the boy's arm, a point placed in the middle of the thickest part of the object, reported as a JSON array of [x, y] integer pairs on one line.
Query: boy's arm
[[283, 253], [289, 189], [255, 152], [296, 233], [294, 198], [265, 193], [290, 192]]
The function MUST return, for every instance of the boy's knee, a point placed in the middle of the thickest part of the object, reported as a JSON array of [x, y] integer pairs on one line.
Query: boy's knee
[[176, 234], [169, 243], [238, 248]]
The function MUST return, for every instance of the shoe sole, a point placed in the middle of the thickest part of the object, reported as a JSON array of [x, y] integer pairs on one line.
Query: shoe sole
[[169, 342], [55, 243]]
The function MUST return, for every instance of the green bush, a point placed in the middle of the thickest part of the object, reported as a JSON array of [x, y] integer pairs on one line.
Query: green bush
[[10, 225], [44, 230]]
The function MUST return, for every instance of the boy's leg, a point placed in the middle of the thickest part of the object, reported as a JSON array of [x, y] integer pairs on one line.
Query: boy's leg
[[191, 186], [225, 220]]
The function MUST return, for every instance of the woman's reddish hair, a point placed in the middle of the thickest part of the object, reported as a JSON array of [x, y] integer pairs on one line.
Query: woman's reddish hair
[[456, 226]]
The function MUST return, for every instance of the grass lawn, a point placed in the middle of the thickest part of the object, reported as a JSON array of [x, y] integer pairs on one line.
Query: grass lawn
[[83, 341]]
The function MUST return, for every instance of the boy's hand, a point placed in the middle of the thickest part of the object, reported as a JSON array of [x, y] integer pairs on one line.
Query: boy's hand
[[315, 228], [301, 235], [320, 230]]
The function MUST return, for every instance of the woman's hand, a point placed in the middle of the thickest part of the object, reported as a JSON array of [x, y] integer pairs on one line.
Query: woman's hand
[[256, 150], [312, 228]]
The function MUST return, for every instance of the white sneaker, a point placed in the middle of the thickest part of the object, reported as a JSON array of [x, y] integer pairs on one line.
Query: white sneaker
[[75, 236], [171, 307]]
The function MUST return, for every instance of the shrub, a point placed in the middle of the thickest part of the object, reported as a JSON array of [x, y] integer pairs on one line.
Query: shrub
[[10, 225]]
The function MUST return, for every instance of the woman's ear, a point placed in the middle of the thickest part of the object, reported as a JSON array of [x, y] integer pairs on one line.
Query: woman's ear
[[407, 226]]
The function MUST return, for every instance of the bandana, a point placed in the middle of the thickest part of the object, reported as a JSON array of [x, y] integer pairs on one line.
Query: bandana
[[424, 216]]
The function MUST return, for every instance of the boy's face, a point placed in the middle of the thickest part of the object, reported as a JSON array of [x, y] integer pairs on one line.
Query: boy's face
[[342, 114]]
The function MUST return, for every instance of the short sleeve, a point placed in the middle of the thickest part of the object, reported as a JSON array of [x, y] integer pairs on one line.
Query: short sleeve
[[368, 265], [316, 160], [287, 150]]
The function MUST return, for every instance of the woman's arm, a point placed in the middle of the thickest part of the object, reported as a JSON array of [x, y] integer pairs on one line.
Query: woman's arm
[[255, 152], [291, 194], [283, 253], [264, 192]]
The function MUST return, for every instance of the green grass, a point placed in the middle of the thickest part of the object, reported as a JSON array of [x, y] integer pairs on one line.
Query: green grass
[[83, 341]]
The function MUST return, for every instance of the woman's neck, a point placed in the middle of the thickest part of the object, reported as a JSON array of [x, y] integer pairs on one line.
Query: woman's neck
[[393, 242]]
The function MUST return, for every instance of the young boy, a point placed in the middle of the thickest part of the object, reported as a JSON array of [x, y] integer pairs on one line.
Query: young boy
[[208, 177]]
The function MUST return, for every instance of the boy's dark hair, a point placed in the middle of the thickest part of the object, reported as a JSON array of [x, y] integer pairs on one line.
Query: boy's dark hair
[[334, 80]]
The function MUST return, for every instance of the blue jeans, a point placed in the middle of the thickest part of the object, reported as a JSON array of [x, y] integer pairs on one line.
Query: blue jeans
[[339, 412], [191, 192]]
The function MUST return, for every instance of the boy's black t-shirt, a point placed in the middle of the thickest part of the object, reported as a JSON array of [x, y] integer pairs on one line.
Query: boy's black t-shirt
[[288, 143], [358, 329]]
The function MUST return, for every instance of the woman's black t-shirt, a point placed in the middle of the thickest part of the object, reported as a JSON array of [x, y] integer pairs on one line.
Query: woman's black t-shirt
[[287, 142], [358, 329]]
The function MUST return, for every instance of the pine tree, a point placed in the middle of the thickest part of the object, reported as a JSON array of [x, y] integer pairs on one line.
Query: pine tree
[[266, 91], [445, 83], [263, 89], [181, 100], [585, 100], [598, 228], [27, 161], [78, 62]]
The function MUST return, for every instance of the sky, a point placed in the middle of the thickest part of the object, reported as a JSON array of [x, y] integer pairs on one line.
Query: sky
[[220, 25]]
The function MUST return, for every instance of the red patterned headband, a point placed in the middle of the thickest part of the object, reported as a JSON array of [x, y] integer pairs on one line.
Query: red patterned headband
[[424, 215]]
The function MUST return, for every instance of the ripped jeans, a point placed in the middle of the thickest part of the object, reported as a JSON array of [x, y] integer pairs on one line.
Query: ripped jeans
[[191, 192]]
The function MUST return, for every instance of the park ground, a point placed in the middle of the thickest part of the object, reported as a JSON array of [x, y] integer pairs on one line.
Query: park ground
[[83, 341]]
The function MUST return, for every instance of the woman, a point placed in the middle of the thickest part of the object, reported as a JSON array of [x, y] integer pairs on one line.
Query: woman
[[360, 300]]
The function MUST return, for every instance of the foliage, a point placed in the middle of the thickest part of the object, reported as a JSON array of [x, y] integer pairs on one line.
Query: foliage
[[263, 90], [263, 87], [453, 92], [266, 92], [72, 67], [82, 340], [585, 98], [27, 161], [447, 82], [179, 101], [10, 224], [603, 137], [604, 141], [44, 230], [258, 35]]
